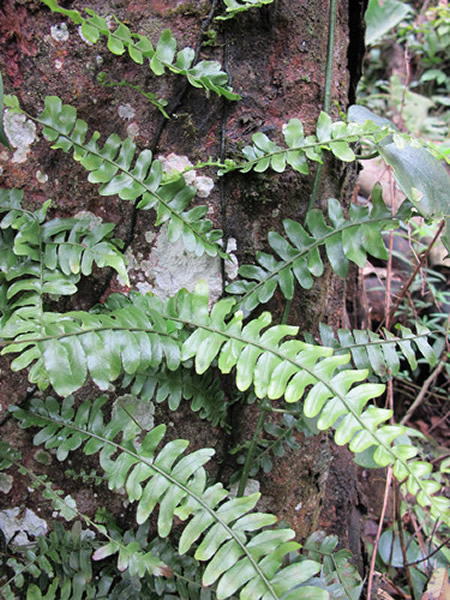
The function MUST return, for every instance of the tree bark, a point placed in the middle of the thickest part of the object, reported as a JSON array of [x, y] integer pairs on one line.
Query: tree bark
[[276, 59]]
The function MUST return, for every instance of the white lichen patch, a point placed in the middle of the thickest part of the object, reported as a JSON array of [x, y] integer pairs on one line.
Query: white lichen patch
[[59, 32], [58, 64], [6, 483], [231, 265], [173, 163], [92, 219], [21, 133], [252, 486], [41, 177], [141, 411], [24, 527], [126, 112], [170, 268], [132, 130]]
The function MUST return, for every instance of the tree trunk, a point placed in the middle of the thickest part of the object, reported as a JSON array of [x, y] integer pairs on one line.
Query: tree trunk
[[275, 57]]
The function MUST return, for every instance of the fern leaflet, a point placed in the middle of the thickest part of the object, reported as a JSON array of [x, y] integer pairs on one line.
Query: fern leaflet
[[235, 6], [206, 74]]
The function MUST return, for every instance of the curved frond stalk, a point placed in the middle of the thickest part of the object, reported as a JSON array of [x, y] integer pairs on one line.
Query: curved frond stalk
[[334, 137], [138, 333], [298, 258], [382, 354], [226, 533], [206, 74], [233, 7], [119, 169], [160, 103]]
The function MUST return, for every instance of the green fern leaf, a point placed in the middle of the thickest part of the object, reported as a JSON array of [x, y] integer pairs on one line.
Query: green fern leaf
[[233, 7], [205, 74], [299, 258], [111, 166]]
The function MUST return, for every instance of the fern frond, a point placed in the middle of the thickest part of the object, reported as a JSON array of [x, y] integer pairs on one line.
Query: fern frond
[[206, 74], [381, 354], [38, 258], [334, 137], [226, 533], [237, 6], [136, 177], [298, 258], [131, 556], [204, 391]]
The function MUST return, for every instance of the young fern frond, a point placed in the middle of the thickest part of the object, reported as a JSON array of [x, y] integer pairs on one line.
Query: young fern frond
[[334, 137], [226, 533], [136, 177], [206, 74], [299, 257], [237, 6], [381, 354], [136, 335]]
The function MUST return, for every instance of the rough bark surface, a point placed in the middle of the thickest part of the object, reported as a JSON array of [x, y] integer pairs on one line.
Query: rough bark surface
[[276, 59]]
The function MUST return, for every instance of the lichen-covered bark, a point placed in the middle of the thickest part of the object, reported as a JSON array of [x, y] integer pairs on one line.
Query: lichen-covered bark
[[276, 60]]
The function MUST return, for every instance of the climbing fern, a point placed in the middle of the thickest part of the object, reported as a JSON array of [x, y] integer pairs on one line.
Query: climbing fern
[[206, 74], [344, 241], [192, 537]]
